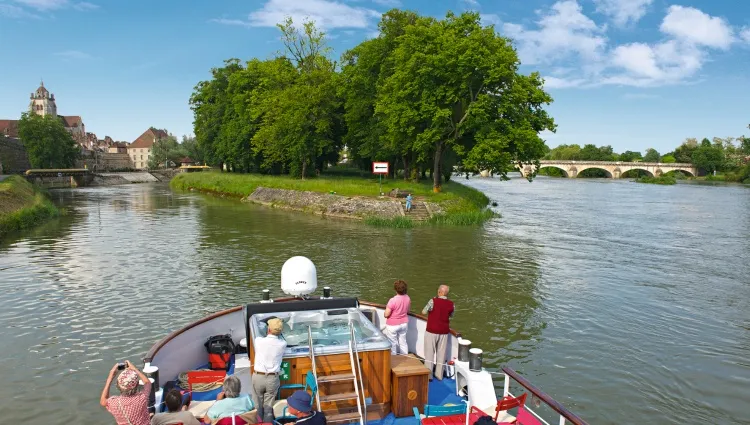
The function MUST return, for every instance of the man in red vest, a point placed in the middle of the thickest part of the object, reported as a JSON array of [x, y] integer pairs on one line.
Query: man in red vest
[[439, 311]]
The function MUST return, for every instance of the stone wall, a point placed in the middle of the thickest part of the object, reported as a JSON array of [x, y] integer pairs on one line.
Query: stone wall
[[326, 204], [105, 161], [13, 157]]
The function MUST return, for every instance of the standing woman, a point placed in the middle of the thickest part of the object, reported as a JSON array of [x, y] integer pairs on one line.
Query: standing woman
[[131, 406], [397, 318]]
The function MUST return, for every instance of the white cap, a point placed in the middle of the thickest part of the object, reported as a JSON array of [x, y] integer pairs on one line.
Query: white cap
[[299, 276]]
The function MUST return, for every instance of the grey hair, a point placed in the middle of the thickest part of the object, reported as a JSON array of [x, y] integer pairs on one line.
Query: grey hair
[[232, 386], [444, 289]]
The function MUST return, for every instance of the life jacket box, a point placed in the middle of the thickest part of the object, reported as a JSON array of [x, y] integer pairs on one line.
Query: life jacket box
[[220, 349]]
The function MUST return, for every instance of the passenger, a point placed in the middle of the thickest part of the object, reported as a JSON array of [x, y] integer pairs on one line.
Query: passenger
[[300, 405], [397, 318], [176, 412], [269, 351], [230, 403], [131, 406], [439, 311]]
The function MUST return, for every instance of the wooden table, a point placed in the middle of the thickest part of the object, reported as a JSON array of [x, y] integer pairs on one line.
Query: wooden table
[[410, 381]]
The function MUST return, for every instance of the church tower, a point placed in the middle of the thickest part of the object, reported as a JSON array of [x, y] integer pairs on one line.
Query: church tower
[[43, 102]]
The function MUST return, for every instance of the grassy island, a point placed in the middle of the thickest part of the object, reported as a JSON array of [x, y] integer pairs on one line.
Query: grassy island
[[456, 204], [22, 206], [663, 180]]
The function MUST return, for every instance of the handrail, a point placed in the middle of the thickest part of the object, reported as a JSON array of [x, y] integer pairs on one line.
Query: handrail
[[549, 401], [312, 360], [353, 338]]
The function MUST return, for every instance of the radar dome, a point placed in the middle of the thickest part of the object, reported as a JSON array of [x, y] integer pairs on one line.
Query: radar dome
[[299, 276]]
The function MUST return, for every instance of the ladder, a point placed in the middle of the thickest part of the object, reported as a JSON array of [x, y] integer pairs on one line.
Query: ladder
[[354, 375]]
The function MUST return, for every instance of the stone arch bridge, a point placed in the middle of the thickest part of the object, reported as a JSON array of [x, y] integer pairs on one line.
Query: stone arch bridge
[[614, 169]]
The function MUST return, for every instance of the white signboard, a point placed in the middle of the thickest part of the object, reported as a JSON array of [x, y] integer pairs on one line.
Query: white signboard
[[380, 168]]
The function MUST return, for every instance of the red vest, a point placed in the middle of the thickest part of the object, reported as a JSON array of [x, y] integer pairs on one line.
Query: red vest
[[438, 319]]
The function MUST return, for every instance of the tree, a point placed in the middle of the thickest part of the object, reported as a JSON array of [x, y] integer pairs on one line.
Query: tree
[[684, 152], [166, 150], [707, 157], [652, 155], [630, 156], [190, 146], [455, 87], [47, 142], [668, 159]]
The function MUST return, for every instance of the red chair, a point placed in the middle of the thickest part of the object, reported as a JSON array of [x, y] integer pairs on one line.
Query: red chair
[[508, 403], [205, 377], [231, 420], [526, 418]]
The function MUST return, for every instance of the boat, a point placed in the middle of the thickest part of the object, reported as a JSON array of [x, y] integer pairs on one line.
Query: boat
[[337, 350]]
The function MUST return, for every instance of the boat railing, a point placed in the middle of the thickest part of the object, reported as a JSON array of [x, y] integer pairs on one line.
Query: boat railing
[[353, 338], [565, 416], [312, 360]]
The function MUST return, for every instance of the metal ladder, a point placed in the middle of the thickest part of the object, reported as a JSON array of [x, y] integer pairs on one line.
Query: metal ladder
[[354, 376]]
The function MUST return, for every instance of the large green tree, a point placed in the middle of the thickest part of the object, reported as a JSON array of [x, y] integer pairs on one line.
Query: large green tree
[[165, 152], [47, 142], [652, 155], [708, 157]]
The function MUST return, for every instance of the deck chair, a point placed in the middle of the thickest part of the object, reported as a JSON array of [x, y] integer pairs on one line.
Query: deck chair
[[526, 418], [507, 403], [432, 410], [205, 377]]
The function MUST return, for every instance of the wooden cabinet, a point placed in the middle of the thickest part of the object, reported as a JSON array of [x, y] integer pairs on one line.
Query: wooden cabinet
[[410, 379]]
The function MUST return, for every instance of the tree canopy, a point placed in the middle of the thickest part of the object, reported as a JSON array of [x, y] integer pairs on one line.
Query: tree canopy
[[426, 94], [47, 142]]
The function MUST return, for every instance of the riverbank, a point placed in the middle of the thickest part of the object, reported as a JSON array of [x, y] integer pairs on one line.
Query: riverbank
[[22, 205], [348, 197]]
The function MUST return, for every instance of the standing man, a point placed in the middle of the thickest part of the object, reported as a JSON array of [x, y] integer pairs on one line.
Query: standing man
[[439, 311], [269, 351]]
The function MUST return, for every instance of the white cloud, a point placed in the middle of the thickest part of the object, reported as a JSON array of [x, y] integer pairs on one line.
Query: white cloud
[[565, 30], [388, 3], [15, 12], [44, 5], [623, 12], [326, 14], [692, 25], [565, 37], [74, 54], [84, 6], [235, 22], [491, 19], [472, 4]]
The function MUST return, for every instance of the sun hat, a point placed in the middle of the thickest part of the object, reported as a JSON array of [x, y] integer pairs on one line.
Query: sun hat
[[127, 380], [300, 400]]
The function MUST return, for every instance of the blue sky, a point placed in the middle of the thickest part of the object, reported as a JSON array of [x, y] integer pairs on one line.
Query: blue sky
[[631, 73]]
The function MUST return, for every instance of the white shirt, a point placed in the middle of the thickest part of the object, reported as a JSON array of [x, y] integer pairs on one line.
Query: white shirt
[[269, 351]]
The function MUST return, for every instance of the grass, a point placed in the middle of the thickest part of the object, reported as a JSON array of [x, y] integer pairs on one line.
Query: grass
[[664, 180], [462, 205], [22, 206]]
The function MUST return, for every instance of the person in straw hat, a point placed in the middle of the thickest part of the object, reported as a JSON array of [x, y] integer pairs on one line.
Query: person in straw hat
[[131, 406], [269, 351]]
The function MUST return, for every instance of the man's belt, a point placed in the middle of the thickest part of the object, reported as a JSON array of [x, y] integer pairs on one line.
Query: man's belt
[[266, 373]]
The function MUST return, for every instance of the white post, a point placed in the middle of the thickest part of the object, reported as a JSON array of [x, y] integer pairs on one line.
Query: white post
[[562, 420], [506, 385]]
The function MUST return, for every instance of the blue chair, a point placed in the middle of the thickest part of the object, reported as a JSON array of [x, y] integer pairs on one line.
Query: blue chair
[[309, 384], [431, 411]]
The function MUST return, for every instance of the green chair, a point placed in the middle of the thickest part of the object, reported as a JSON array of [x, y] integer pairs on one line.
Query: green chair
[[431, 410]]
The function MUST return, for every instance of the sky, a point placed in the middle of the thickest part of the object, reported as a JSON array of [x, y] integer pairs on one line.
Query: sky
[[633, 74]]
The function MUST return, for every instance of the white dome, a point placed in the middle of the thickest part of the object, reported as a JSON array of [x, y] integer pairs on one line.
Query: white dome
[[299, 276]]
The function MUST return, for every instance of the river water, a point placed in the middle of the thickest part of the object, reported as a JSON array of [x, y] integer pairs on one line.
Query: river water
[[628, 303]]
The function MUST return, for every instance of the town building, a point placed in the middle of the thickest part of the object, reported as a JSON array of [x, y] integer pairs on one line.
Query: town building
[[140, 150]]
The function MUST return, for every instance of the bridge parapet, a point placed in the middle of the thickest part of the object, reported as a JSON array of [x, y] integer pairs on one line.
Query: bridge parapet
[[614, 169]]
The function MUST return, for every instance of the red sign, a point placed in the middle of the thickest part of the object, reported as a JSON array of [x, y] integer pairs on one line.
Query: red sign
[[380, 168]]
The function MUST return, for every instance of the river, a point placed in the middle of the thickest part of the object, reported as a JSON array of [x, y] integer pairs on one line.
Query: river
[[628, 303]]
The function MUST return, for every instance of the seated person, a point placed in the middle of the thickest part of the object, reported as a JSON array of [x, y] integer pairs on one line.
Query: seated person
[[300, 405], [231, 403], [176, 411]]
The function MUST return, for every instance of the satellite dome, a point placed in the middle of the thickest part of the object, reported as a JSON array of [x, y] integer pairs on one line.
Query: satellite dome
[[299, 276]]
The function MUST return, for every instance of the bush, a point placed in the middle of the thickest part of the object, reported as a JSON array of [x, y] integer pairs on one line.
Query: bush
[[665, 180], [22, 206]]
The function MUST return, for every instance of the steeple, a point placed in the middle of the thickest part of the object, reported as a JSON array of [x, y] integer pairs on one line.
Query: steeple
[[43, 102]]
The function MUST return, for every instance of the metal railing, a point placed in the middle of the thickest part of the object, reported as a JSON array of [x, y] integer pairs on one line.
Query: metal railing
[[358, 375], [312, 360]]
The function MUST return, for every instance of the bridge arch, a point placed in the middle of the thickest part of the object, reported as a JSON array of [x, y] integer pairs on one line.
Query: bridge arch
[[648, 173], [680, 170], [594, 167], [564, 171]]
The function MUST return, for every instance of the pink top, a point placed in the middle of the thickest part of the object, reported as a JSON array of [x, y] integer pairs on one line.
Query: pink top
[[399, 306]]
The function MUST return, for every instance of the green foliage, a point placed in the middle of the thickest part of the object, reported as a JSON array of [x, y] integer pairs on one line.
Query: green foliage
[[708, 157], [652, 155], [22, 206], [668, 159], [663, 180], [630, 156], [165, 152], [47, 142]]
